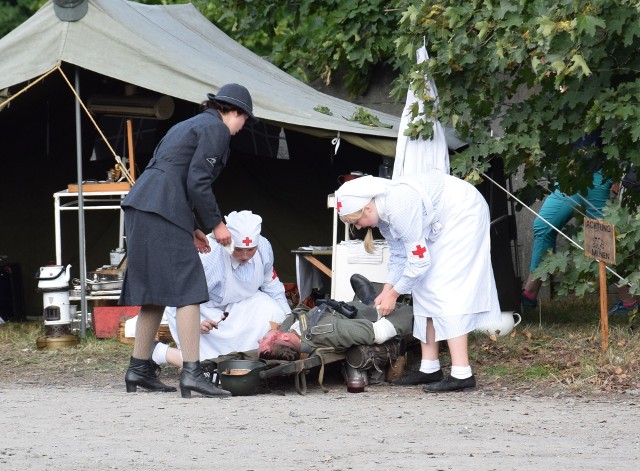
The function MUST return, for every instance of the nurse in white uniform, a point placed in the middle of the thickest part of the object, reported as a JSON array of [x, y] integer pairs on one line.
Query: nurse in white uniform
[[241, 281], [437, 228]]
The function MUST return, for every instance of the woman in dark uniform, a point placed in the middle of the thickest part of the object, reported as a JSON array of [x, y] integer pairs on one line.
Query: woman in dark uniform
[[163, 268]]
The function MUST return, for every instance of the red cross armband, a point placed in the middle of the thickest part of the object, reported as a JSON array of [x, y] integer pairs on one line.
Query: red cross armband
[[417, 252]]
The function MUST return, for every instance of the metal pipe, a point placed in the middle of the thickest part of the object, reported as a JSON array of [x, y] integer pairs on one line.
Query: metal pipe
[[81, 229]]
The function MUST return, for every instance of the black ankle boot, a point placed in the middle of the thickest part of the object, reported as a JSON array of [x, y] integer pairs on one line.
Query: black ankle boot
[[363, 289], [193, 379], [144, 373]]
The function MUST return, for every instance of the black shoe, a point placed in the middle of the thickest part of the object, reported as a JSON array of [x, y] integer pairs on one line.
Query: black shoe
[[144, 373], [418, 377], [194, 379], [363, 289], [451, 384]]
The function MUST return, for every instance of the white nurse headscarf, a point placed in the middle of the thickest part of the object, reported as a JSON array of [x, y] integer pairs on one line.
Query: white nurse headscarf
[[245, 228], [354, 194]]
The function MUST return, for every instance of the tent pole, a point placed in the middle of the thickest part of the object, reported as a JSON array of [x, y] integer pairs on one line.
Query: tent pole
[[81, 231]]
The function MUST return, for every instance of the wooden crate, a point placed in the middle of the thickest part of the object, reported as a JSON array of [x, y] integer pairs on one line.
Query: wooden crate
[[164, 334], [121, 337]]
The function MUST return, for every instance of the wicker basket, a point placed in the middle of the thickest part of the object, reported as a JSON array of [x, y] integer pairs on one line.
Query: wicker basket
[[164, 334]]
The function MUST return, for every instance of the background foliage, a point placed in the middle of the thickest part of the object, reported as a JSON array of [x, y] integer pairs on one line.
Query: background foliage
[[520, 80], [537, 74], [523, 81], [14, 12], [313, 39]]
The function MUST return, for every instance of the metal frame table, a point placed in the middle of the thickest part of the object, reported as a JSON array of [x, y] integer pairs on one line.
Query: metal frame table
[[94, 200]]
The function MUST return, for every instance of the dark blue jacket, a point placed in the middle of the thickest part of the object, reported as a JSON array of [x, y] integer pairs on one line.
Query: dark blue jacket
[[177, 182]]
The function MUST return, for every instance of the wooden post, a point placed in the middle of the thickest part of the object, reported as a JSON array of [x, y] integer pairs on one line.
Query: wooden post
[[132, 160], [600, 245], [604, 316]]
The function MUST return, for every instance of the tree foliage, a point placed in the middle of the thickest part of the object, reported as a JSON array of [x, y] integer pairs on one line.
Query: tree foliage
[[313, 39], [15, 12], [525, 80]]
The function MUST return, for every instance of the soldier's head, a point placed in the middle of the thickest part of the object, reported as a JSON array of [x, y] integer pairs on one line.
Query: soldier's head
[[278, 345]]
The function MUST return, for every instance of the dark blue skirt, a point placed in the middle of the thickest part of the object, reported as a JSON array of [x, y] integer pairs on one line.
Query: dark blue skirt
[[163, 265]]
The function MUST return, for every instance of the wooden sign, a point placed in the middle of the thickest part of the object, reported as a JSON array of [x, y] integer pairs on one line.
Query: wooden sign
[[600, 240]]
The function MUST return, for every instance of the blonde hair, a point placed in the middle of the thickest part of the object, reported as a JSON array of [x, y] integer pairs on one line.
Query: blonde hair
[[351, 219]]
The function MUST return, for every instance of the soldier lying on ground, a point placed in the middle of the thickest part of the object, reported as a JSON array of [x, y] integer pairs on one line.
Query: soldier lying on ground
[[369, 343], [326, 329]]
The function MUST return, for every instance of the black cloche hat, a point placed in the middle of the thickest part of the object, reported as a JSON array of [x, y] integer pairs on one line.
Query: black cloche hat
[[236, 95]]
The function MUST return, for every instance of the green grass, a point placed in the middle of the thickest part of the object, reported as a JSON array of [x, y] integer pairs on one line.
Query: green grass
[[557, 351], [559, 345], [20, 356]]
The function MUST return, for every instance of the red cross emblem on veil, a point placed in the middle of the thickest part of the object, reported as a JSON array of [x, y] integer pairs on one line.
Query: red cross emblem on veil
[[275, 275], [247, 241], [419, 251], [339, 206]]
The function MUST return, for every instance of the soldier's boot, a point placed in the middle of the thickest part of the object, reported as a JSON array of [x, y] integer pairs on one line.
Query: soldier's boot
[[355, 378], [376, 358], [363, 289]]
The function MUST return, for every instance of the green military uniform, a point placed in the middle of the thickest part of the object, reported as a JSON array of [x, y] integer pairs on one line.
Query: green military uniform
[[337, 333]]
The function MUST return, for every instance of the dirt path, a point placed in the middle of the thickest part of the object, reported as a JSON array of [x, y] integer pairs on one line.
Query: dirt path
[[386, 427]]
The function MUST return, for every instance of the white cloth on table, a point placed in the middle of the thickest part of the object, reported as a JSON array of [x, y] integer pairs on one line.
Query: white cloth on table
[[356, 252]]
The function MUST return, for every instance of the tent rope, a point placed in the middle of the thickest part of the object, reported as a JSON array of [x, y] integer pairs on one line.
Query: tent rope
[[16, 95], [549, 224], [117, 158], [120, 164]]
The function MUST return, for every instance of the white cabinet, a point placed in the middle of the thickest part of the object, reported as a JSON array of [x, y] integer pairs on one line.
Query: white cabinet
[[343, 264], [343, 269]]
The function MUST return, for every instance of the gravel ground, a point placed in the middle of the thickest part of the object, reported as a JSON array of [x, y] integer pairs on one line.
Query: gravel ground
[[82, 423]]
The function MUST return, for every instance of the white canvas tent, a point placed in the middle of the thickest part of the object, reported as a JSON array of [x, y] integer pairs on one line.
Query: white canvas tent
[[175, 50]]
